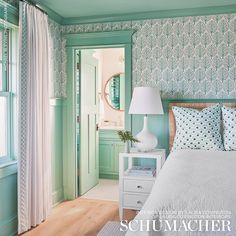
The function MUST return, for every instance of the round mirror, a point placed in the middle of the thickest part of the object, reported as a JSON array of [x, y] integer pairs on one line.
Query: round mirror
[[115, 92]]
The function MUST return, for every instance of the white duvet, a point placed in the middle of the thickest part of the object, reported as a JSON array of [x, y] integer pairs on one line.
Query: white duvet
[[190, 181]]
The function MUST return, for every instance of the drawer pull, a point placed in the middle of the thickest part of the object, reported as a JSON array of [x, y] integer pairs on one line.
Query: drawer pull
[[139, 202], [139, 186]]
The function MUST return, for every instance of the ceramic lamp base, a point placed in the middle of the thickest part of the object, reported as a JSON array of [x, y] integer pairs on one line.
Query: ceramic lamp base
[[147, 140]]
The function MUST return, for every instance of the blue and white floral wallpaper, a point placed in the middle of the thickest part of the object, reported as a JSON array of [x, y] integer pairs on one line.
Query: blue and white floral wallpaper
[[187, 57], [58, 60]]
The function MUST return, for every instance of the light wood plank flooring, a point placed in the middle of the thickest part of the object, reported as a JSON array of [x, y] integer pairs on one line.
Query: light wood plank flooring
[[81, 217]]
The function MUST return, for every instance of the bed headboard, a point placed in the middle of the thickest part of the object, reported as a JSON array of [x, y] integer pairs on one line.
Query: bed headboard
[[195, 105]]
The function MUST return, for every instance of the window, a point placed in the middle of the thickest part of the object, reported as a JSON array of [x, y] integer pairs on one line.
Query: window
[[5, 97], [3, 125], [4, 60]]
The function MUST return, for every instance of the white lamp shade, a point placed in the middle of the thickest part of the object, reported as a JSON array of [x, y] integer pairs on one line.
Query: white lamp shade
[[146, 100]]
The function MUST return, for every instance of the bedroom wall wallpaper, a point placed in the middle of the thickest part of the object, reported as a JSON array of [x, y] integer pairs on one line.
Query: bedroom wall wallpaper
[[58, 84], [187, 57]]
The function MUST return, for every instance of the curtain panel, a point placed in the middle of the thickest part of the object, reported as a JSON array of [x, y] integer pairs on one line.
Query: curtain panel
[[34, 165]]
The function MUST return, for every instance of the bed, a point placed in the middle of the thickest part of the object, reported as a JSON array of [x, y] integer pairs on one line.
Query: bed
[[198, 184]]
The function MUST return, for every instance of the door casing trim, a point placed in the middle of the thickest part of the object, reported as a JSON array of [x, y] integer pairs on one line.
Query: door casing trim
[[88, 41]]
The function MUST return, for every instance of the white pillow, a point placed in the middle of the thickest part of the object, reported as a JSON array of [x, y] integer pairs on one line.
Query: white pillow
[[229, 128], [198, 129]]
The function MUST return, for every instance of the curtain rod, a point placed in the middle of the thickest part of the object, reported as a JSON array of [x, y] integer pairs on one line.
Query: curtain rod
[[33, 4]]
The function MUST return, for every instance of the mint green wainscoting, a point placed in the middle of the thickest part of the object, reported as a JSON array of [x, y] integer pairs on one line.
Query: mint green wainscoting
[[69, 129], [8, 199], [109, 148], [56, 105]]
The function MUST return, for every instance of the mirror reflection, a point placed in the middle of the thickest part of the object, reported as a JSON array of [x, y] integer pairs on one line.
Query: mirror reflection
[[114, 92]]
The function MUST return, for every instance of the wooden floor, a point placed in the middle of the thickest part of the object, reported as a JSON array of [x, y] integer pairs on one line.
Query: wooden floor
[[81, 217]]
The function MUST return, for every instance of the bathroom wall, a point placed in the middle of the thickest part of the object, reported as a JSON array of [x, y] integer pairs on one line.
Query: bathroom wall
[[112, 63]]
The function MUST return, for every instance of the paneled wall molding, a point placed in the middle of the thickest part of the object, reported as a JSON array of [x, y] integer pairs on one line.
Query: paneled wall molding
[[8, 169], [8, 197], [56, 109], [57, 196], [9, 227]]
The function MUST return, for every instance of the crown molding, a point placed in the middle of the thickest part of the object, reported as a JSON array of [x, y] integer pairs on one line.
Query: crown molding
[[150, 15], [12, 12], [51, 13]]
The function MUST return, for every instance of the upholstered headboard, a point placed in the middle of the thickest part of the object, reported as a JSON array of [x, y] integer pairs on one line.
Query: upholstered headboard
[[194, 105]]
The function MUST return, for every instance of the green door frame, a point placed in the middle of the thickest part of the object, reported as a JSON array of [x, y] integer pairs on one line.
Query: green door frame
[[86, 41]]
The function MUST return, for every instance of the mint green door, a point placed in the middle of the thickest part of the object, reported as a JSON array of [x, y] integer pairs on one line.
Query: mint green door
[[88, 164]]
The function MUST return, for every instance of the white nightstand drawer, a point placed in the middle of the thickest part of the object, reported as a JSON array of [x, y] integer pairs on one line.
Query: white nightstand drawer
[[135, 189], [138, 186], [135, 201]]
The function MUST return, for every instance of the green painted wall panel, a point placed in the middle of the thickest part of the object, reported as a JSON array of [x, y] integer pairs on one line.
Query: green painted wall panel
[[57, 150], [8, 200], [70, 181]]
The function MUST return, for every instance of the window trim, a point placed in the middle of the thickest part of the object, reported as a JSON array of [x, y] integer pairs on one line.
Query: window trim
[[5, 72], [7, 158], [9, 91]]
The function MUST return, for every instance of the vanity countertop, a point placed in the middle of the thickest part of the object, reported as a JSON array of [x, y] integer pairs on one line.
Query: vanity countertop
[[111, 128]]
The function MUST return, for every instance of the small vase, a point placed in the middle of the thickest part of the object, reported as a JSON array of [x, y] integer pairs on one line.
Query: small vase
[[126, 147]]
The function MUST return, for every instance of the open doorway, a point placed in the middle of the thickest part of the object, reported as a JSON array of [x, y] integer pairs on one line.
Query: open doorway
[[100, 92]]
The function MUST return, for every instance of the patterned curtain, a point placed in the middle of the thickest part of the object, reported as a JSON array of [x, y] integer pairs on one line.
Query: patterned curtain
[[34, 166]]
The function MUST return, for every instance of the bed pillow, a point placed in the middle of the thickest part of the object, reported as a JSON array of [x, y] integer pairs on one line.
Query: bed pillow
[[198, 129], [229, 128]]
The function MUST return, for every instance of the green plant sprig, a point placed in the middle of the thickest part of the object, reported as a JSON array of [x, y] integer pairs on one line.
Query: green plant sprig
[[126, 136]]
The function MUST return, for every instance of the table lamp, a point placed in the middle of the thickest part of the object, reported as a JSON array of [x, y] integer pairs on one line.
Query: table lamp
[[146, 101]]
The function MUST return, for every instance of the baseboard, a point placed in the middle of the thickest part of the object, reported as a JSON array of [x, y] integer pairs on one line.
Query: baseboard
[[108, 176], [57, 196], [9, 227]]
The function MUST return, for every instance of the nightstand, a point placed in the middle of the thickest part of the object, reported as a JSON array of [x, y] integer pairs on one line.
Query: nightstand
[[135, 189]]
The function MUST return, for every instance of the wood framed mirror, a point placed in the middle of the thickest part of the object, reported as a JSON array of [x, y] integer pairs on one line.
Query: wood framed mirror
[[114, 92]]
